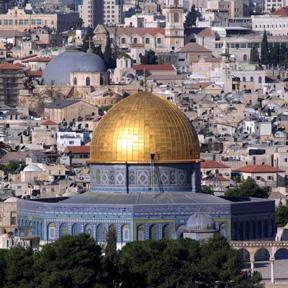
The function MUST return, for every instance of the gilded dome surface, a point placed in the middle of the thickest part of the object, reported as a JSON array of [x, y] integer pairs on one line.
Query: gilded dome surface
[[141, 125]]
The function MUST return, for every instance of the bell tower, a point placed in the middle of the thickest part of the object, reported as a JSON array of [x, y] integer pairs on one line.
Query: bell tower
[[174, 29]]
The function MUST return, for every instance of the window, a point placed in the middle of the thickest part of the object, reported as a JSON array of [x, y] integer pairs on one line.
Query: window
[[245, 58], [270, 178], [75, 81], [125, 232], [63, 229], [51, 231], [71, 142], [165, 231], [88, 230], [76, 229], [244, 79], [152, 232], [101, 233], [123, 40], [258, 177], [259, 79], [176, 17], [135, 40], [251, 79], [147, 41], [158, 40], [140, 233], [87, 81]]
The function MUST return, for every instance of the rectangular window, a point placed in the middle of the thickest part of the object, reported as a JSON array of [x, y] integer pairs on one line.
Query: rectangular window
[[158, 40], [147, 40], [71, 142]]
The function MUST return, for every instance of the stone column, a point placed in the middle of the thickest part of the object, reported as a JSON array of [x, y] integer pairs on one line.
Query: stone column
[[193, 181], [252, 261], [272, 270]]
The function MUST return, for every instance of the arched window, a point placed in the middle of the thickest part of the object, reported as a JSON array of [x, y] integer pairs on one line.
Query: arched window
[[87, 81], [140, 233], [75, 81], [125, 233], [100, 233], [176, 17], [76, 229], [165, 231], [88, 230], [51, 231], [244, 79], [152, 232], [259, 79], [245, 58], [63, 229], [251, 79]]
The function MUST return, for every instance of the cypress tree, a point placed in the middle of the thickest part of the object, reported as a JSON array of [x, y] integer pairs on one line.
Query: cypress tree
[[265, 50]]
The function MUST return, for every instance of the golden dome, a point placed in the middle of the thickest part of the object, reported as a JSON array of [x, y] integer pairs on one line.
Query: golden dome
[[141, 125]]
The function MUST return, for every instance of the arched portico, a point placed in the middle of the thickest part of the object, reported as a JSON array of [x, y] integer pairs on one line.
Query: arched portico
[[270, 249]]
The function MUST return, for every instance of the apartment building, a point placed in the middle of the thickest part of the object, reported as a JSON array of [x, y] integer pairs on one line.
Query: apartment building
[[91, 12], [112, 12]]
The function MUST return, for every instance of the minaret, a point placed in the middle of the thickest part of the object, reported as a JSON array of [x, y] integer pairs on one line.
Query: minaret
[[174, 30]]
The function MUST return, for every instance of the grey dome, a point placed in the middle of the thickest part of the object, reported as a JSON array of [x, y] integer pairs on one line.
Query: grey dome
[[199, 222], [72, 60]]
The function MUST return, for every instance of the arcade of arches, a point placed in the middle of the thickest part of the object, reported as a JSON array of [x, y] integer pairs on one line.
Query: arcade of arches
[[254, 251]]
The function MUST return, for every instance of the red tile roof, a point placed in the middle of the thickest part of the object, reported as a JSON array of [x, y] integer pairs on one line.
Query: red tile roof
[[130, 31], [153, 67], [212, 164], [37, 59], [282, 12], [258, 169], [48, 123], [77, 149], [194, 48], [9, 66], [37, 73], [206, 32]]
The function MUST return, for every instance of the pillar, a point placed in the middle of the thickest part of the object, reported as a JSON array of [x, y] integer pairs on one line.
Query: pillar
[[252, 261], [272, 270]]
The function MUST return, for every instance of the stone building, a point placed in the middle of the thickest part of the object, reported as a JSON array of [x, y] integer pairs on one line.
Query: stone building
[[145, 183], [18, 19], [68, 109], [11, 82]]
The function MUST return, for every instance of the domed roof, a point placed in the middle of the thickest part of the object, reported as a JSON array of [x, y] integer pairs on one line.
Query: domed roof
[[199, 222], [72, 60], [32, 168], [11, 200], [141, 125]]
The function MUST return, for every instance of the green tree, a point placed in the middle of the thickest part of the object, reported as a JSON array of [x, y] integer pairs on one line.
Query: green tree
[[164, 263], [18, 270], [281, 216], [191, 17], [71, 261], [265, 57], [254, 56], [79, 23], [149, 57], [248, 188], [207, 190]]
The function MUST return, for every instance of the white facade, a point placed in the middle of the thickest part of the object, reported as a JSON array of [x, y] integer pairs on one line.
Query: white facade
[[272, 24], [263, 129], [276, 4], [65, 139]]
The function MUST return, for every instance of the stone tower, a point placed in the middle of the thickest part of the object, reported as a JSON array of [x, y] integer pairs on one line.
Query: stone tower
[[174, 30]]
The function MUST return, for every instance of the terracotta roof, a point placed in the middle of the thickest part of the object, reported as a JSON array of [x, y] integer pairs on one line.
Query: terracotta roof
[[129, 31], [77, 149], [28, 57], [36, 73], [153, 67], [194, 48], [9, 66], [211, 164], [48, 123], [207, 32], [258, 169], [282, 12], [37, 59]]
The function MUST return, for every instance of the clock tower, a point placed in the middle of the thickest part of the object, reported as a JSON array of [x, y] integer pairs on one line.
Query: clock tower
[[174, 29]]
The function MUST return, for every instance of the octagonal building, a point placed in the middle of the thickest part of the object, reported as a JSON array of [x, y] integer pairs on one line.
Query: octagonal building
[[145, 183]]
